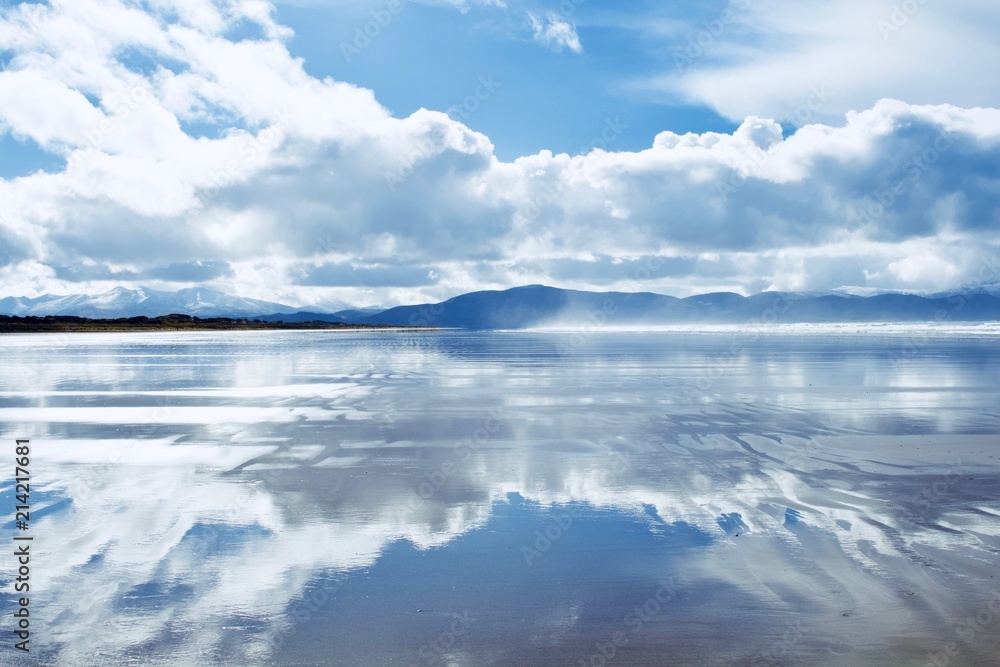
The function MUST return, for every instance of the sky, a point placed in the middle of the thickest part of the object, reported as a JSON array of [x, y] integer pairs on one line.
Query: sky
[[378, 152]]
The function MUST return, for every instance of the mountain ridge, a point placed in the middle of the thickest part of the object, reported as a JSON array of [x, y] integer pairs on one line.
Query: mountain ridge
[[141, 302], [536, 306], [533, 306]]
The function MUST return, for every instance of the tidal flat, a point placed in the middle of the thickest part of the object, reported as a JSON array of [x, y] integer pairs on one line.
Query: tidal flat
[[732, 497]]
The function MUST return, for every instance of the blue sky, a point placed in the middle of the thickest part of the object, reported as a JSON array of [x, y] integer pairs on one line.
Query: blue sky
[[544, 98], [267, 150]]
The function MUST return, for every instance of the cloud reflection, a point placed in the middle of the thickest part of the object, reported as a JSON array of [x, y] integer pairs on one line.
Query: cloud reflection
[[281, 470]]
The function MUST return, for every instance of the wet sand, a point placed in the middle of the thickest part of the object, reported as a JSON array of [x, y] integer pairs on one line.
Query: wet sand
[[659, 498]]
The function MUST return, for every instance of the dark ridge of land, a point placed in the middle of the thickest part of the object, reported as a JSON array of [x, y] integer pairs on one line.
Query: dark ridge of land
[[175, 322]]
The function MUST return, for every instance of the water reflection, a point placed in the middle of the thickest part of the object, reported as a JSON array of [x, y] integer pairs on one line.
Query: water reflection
[[476, 499]]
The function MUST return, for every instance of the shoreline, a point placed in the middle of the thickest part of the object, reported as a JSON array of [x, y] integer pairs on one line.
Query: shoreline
[[72, 324]]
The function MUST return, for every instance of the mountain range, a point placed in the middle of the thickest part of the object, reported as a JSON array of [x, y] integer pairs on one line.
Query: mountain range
[[540, 306], [143, 301]]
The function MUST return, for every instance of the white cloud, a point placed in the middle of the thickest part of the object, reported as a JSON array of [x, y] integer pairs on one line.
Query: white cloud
[[555, 33], [764, 57], [465, 5], [302, 185]]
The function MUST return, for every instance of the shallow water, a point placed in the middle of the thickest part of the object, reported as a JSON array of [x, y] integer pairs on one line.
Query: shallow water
[[658, 498]]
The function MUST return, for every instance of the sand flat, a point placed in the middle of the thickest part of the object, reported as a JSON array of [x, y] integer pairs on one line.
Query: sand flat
[[447, 498]]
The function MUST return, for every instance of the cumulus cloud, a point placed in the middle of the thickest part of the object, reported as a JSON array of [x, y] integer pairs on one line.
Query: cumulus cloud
[[222, 162], [555, 33]]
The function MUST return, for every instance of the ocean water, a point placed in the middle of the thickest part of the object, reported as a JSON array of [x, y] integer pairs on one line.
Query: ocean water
[[823, 497]]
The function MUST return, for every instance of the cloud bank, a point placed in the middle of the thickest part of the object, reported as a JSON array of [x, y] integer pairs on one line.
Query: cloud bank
[[193, 137]]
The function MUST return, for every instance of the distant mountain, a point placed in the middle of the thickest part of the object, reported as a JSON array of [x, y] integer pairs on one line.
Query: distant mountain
[[143, 301], [332, 306], [538, 306], [530, 306], [992, 289], [350, 316]]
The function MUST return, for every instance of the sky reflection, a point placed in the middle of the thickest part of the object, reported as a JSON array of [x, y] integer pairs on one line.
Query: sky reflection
[[289, 498]]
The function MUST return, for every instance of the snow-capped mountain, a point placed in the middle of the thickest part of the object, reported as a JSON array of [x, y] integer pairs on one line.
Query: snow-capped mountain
[[122, 302], [863, 292], [989, 289]]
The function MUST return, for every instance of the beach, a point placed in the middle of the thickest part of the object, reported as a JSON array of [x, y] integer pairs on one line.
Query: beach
[[500, 498]]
